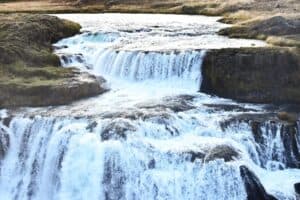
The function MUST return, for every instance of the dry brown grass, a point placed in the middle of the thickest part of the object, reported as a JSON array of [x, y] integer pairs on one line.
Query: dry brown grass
[[45, 7], [242, 13]]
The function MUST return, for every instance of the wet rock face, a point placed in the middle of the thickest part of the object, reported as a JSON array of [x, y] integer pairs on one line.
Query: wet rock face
[[257, 75], [4, 143], [289, 135], [297, 189], [116, 130], [265, 133], [277, 141], [114, 178], [176, 104], [254, 188]]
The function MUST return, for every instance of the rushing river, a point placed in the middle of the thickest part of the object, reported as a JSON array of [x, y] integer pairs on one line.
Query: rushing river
[[153, 135]]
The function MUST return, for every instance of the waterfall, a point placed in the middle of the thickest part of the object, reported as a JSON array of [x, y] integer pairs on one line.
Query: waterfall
[[153, 135], [61, 159], [182, 68], [141, 66]]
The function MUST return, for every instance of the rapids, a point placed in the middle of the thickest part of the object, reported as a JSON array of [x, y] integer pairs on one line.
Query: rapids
[[153, 135]]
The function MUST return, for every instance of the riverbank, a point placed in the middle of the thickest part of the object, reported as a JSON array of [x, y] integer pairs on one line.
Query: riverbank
[[30, 74], [276, 22]]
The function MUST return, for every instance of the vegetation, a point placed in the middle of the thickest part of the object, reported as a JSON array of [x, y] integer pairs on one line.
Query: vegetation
[[29, 70]]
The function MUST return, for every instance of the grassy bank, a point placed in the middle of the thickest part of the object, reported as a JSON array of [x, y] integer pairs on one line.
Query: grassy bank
[[30, 74]]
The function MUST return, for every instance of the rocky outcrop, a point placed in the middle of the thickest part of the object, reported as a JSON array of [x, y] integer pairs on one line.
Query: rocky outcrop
[[30, 74], [257, 75], [275, 26], [58, 92], [254, 189]]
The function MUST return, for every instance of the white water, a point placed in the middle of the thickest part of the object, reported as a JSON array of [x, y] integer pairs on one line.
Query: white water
[[130, 143]]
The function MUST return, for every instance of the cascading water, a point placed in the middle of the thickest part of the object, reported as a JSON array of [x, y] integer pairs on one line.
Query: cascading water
[[152, 136]]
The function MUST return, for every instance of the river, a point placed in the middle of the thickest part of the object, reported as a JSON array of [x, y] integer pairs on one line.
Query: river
[[153, 134]]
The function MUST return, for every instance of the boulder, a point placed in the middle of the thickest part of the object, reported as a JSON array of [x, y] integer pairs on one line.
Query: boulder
[[254, 189], [222, 151], [226, 152]]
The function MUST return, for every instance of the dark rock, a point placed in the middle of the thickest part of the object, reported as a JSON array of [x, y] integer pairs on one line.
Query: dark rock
[[116, 130], [79, 58], [253, 119], [65, 59], [228, 107], [60, 47], [254, 189], [257, 75], [176, 104], [195, 155], [257, 132], [151, 164], [91, 126], [297, 188], [109, 3], [4, 143], [6, 121], [114, 178], [226, 152], [153, 112], [288, 134]]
